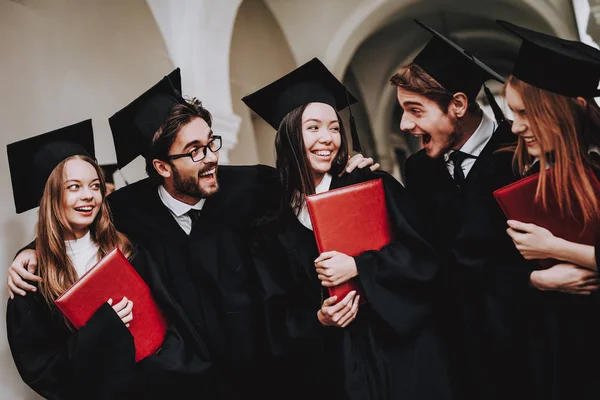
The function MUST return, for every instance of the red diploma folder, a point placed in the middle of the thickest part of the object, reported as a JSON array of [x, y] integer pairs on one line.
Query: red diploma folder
[[114, 277], [351, 220], [517, 201]]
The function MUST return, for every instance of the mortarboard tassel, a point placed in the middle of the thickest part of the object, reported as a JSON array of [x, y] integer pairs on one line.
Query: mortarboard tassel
[[498, 114], [353, 131]]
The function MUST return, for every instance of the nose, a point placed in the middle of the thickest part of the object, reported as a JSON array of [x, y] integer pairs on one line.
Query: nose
[[518, 126], [325, 136], [406, 124], [85, 193], [211, 157]]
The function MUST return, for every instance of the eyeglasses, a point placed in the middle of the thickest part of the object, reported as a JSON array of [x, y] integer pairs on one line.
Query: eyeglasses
[[198, 153]]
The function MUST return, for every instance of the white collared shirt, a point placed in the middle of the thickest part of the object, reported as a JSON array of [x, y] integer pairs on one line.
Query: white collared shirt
[[179, 209], [474, 145], [304, 216]]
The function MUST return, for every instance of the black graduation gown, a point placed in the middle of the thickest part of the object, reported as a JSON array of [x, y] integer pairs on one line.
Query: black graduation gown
[[207, 271], [98, 360], [564, 343], [482, 303], [390, 351]]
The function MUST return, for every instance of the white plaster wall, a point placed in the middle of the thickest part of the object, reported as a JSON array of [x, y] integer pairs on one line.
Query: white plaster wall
[[62, 62]]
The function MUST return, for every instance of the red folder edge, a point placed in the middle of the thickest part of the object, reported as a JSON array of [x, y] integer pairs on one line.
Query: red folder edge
[[342, 200], [114, 277]]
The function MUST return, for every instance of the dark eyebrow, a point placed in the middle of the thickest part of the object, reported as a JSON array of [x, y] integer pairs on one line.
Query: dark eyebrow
[[313, 119], [78, 181], [197, 142], [335, 121], [412, 103]]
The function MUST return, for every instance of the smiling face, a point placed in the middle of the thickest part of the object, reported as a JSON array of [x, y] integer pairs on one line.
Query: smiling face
[[520, 125], [81, 195], [322, 138], [187, 180], [425, 119]]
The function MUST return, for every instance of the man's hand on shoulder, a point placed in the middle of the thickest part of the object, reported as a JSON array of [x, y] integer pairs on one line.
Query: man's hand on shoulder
[[358, 160], [23, 268]]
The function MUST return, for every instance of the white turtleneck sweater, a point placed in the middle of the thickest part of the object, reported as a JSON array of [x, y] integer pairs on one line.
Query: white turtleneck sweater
[[83, 253]]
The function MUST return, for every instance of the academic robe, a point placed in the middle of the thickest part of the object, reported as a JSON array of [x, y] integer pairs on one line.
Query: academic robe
[[482, 305], [207, 272], [391, 350], [564, 332], [98, 360]]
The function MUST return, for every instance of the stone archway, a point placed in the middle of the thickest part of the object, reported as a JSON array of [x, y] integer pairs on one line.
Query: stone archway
[[259, 54], [377, 38]]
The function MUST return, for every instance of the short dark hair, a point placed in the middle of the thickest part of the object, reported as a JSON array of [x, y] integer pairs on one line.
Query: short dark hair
[[413, 78], [292, 162], [180, 115]]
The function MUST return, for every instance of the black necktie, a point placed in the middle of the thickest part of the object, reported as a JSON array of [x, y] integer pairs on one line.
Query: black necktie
[[194, 214], [457, 158]]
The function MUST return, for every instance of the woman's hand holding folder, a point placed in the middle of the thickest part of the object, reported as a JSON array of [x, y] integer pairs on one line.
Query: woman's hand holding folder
[[124, 310], [534, 242], [335, 268], [340, 314]]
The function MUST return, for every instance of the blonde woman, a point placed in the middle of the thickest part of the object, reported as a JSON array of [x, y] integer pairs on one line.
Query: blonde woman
[[74, 231]]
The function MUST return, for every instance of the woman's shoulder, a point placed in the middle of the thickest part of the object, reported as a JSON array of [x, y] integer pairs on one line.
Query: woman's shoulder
[[360, 175]]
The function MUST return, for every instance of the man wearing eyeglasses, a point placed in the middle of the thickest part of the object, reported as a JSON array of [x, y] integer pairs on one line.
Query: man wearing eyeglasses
[[195, 219]]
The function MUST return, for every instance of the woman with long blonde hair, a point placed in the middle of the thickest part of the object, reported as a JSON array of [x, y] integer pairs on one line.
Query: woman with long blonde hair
[[558, 126], [75, 231]]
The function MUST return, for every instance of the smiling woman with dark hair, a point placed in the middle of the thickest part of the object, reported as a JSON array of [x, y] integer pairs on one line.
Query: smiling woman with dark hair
[[324, 347]]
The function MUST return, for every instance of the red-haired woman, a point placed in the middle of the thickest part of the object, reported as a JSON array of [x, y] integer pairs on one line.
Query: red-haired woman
[[558, 126]]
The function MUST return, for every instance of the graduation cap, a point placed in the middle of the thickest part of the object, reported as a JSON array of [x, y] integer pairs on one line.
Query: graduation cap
[[134, 126], [109, 170], [175, 78], [453, 67], [32, 160], [566, 67], [312, 82]]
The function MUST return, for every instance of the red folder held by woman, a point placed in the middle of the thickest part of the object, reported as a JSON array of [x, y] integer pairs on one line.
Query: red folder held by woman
[[114, 277], [517, 201], [351, 220]]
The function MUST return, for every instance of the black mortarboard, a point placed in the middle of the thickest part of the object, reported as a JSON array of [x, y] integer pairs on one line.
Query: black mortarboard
[[310, 83], [452, 66], [109, 170], [566, 67], [32, 160], [175, 78], [134, 126]]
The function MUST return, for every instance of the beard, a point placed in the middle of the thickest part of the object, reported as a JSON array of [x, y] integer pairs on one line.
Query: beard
[[191, 185], [450, 141]]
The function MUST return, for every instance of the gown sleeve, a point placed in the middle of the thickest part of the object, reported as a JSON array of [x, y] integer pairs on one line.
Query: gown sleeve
[[290, 308], [399, 278], [97, 361]]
